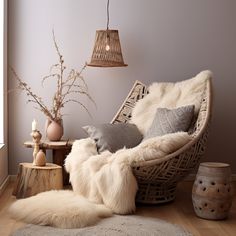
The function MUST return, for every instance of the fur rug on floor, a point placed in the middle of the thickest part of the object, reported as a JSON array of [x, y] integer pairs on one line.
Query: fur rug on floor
[[62, 209]]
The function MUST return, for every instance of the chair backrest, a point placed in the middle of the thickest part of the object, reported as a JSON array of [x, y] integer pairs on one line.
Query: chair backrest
[[202, 120], [139, 90]]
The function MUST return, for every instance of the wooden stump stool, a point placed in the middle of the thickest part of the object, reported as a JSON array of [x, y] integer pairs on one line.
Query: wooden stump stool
[[212, 191], [35, 179]]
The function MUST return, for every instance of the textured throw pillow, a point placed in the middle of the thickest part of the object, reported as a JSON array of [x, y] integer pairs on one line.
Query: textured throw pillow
[[170, 121], [113, 137]]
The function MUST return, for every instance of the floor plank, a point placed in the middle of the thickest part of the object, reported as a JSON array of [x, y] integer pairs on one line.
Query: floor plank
[[178, 212], [7, 225]]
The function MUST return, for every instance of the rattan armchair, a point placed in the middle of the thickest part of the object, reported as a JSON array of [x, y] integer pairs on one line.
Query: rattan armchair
[[158, 179]]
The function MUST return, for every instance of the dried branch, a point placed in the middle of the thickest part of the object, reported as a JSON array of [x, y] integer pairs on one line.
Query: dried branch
[[84, 93], [73, 83], [38, 100], [47, 77], [81, 104], [74, 78]]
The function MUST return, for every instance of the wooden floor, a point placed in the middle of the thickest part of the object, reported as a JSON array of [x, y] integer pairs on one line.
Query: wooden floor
[[178, 212]]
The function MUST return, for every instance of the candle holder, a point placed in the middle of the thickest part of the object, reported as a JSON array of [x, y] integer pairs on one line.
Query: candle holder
[[36, 135]]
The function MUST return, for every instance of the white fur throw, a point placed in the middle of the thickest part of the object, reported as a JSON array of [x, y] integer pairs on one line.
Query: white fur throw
[[169, 95], [96, 179], [107, 178]]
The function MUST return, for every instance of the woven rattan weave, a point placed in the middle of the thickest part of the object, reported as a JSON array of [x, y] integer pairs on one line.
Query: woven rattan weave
[[107, 57], [157, 179]]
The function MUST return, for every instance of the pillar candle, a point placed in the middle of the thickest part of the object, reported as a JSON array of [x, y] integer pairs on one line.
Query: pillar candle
[[34, 125]]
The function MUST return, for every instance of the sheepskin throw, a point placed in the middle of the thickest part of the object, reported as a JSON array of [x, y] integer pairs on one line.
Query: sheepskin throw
[[169, 95], [107, 178]]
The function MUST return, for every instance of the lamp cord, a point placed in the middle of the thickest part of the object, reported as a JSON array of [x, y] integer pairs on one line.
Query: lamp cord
[[108, 14]]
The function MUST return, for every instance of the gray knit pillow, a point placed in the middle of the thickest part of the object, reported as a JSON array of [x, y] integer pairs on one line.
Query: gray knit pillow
[[170, 121], [113, 137]]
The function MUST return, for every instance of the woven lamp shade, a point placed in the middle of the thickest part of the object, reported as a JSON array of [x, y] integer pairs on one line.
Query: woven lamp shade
[[107, 50]]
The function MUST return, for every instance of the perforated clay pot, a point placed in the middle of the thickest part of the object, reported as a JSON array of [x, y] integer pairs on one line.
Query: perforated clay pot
[[212, 191]]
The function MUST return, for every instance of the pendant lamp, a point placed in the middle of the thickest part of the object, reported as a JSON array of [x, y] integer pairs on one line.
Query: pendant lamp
[[107, 49]]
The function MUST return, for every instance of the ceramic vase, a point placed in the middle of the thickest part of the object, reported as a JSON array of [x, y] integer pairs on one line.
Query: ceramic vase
[[54, 130]]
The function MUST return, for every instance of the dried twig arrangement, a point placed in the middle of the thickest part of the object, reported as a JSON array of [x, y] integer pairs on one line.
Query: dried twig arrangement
[[73, 83]]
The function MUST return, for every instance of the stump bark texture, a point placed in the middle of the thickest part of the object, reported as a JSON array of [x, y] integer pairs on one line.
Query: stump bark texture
[[35, 179]]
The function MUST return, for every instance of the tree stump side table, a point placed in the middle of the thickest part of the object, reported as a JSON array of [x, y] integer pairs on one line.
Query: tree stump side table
[[35, 179], [60, 150]]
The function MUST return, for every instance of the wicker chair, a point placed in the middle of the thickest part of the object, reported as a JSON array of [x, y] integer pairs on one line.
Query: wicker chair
[[158, 179]]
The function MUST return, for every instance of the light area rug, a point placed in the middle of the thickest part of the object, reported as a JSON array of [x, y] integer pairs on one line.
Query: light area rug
[[116, 225]]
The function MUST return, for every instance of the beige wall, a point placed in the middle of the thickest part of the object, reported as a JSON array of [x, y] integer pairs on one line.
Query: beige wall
[[4, 150], [167, 40]]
